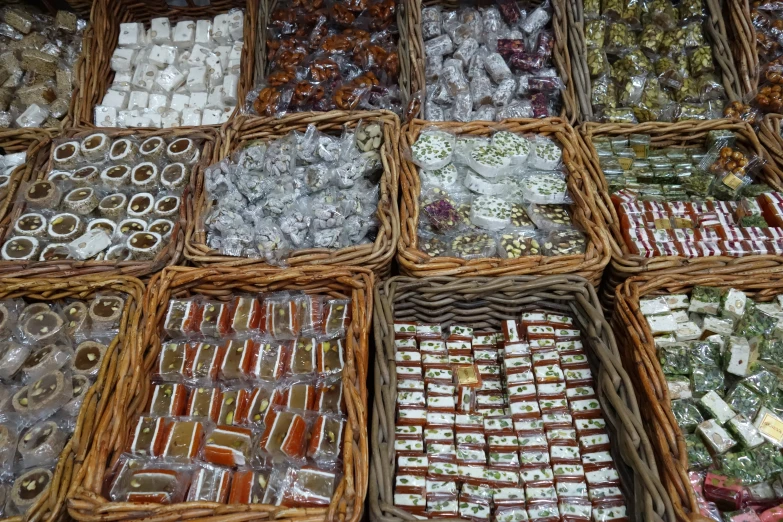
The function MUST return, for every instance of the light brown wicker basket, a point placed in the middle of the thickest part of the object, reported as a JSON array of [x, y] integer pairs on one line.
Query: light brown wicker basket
[[101, 398], [415, 59], [220, 283], [716, 36], [590, 265], [769, 136], [482, 303], [107, 15], [683, 134], [641, 361], [31, 141], [376, 256], [170, 255]]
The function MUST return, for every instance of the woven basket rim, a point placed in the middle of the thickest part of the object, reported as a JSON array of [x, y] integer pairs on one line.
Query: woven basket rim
[[101, 397], [377, 255], [591, 264], [68, 268], [448, 299], [630, 326], [85, 504]]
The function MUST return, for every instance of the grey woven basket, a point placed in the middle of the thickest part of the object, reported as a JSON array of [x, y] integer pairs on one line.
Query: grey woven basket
[[483, 302]]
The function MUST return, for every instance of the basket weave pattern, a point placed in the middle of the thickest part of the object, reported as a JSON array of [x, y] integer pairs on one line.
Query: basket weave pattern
[[377, 255], [585, 213], [170, 255], [107, 15], [101, 399], [683, 134], [640, 358], [484, 303], [133, 390]]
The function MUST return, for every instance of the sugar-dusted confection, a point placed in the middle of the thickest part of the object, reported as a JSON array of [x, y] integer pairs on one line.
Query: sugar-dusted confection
[[28, 488], [87, 358]]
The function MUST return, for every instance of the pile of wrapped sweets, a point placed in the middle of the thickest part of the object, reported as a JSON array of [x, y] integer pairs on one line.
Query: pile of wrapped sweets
[[691, 202], [8, 164], [489, 64], [171, 75], [37, 56], [721, 355], [330, 55], [104, 200], [650, 61], [503, 196], [246, 404], [503, 426], [306, 190], [50, 355]]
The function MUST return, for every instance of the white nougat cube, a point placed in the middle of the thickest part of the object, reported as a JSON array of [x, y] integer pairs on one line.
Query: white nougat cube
[[131, 35], [230, 88], [204, 33], [211, 117], [738, 360], [220, 31], [235, 59], [198, 56], [154, 118], [105, 116], [197, 79], [191, 117], [33, 116], [144, 77], [122, 81], [215, 73], [184, 34], [162, 55], [116, 99], [236, 25], [170, 79], [160, 31], [179, 102], [170, 119], [142, 57], [215, 100], [198, 100], [138, 100], [122, 59], [158, 102], [223, 52], [227, 112]]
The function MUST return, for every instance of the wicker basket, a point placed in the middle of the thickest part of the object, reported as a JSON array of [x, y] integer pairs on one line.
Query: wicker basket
[[483, 303], [376, 256], [683, 134], [87, 505], [107, 15], [32, 141], [101, 398], [590, 265], [170, 255], [716, 36], [770, 137], [414, 60], [640, 359]]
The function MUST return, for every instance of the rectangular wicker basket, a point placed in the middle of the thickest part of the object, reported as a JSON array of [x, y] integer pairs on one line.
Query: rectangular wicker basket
[[590, 265], [683, 134], [482, 302], [101, 399], [716, 35], [641, 361], [107, 15], [31, 141], [40, 166], [87, 505], [414, 60], [376, 256]]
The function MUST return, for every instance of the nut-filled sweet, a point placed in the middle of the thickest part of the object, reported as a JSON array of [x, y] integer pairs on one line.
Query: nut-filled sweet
[[502, 196], [50, 355], [109, 199], [503, 426], [245, 406]]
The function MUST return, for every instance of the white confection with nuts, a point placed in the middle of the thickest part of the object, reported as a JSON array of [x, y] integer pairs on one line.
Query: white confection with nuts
[[172, 72]]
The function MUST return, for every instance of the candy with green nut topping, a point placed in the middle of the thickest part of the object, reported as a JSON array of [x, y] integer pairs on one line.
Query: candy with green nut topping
[[701, 61], [489, 161], [544, 188], [595, 32], [546, 155], [698, 454], [443, 177], [490, 212], [433, 149], [512, 145], [597, 62], [488, 186]]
